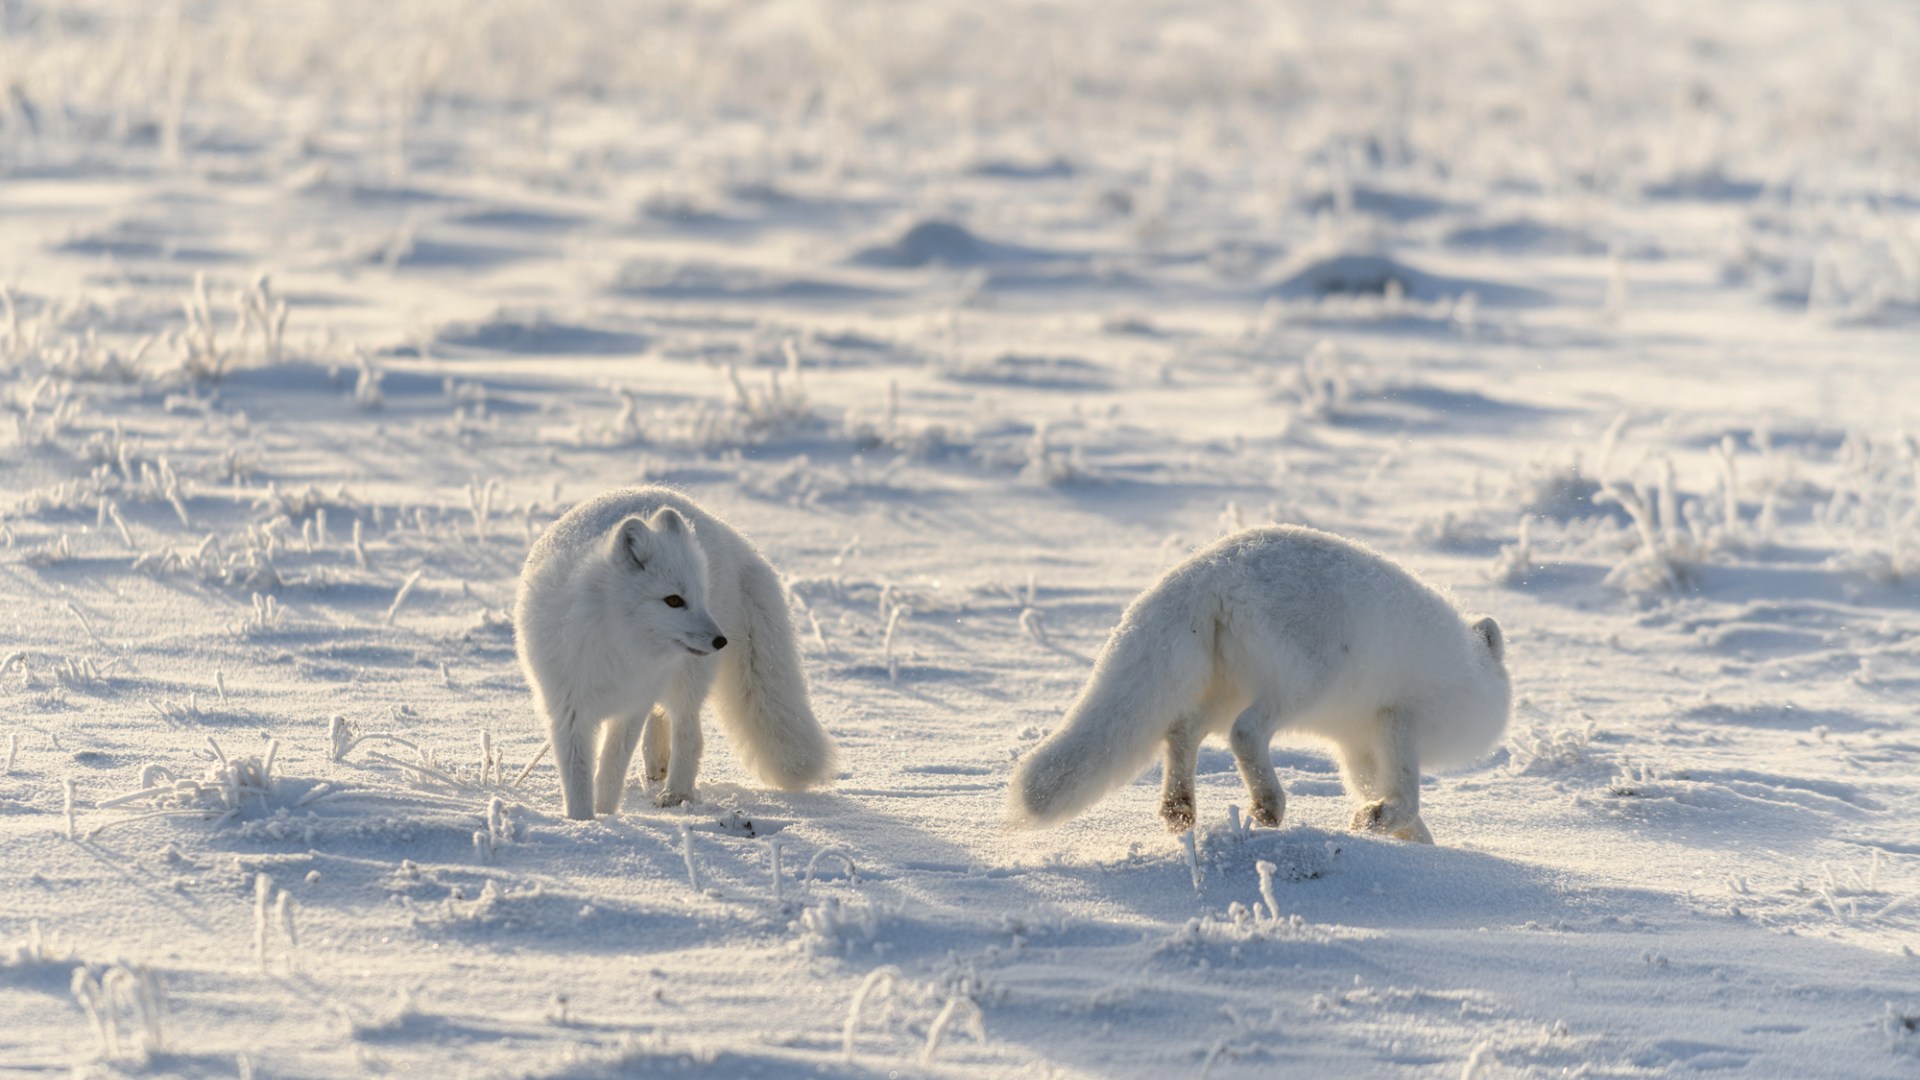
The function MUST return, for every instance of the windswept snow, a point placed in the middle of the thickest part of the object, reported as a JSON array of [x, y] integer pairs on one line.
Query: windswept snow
[[974, 319]]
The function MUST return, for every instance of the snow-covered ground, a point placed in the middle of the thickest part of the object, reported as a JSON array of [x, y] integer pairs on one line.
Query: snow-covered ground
[[975, 317]]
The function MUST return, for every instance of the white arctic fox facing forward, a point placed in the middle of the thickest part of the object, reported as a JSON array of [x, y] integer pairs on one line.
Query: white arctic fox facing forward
[[1269, 629], [631, 607]]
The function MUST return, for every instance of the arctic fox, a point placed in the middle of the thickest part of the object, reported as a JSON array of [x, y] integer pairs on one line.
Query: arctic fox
[[631, 606], [1278, 628]]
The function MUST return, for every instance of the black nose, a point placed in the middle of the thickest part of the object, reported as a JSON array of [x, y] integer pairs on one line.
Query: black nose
[[719, 642]]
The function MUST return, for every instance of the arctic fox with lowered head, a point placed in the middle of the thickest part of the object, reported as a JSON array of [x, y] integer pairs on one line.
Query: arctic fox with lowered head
[[632, 606], [1278, 628]]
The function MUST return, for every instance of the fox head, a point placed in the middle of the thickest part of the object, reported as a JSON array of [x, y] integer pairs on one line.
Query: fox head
[[660, 566]]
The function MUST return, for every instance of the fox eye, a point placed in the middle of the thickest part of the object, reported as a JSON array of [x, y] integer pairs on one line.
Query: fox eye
[[675, 601]]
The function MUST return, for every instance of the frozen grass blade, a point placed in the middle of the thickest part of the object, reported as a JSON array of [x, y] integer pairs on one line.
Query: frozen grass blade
[[976, 1025], [841, 854], [879, 981], [1266, 871], [686, 853], [400, 597]]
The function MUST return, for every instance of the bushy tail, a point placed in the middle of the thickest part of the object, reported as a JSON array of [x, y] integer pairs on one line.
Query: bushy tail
[[761, 693], [1156, 666]]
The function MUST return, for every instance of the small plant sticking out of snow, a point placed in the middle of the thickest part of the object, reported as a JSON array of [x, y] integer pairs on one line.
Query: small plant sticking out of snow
[[366, 384], [1515, 562], [1050, 467], [775, 845], [870, 431], [204, 358], [492, 765], [782, 407], [1323, 384], [127, 1006], [1630, 780], [1448, 532], [37, 950], [956, 1007], [878, 983], [832, 854], [272, 908], [1033, 622], [266, 616], [887, 643], [499, 832], [51, 554], [480, 498], [177, 713], [220, 793], [686, 853], [82, 673], [400, 596], [1876, 506], [1663, 562], [835, 927], [1194, 870], [1266, 871]]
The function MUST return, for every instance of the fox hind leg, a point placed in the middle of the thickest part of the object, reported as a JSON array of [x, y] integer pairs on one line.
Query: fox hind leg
[[1389, 779], [1176, 795], [1251, 739], [685, 694]]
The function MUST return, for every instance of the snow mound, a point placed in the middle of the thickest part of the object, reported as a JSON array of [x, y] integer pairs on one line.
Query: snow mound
[[939, 243], [1034, 372], [714, 281], [1378, 202], [521, 220], [1317, 277], [1296, 854], [1053, 168], [1523, 235], [1705, 185], [537, 336]]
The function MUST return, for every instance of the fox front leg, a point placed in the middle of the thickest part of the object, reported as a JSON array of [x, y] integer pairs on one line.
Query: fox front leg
[[573, 756], [681, 706], [654, 746], [1394, 808], [616, 752]]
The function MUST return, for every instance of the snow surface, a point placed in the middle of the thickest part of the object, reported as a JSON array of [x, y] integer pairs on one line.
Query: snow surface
[[974, 317]]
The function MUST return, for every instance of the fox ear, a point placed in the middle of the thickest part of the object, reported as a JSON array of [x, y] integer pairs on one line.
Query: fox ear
[[632, 544], [668, 520], [1491, 636]]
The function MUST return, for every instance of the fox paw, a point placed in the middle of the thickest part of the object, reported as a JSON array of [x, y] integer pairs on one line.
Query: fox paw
[[1383, 816], [1392, 819], [1178, 814], [671, 798], [1266, 815]]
